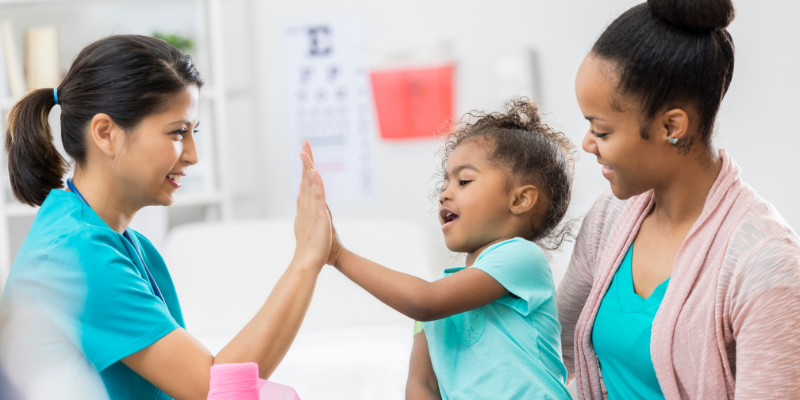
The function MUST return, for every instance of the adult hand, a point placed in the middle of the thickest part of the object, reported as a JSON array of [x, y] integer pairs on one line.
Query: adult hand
[[336, 243], [312, 225]]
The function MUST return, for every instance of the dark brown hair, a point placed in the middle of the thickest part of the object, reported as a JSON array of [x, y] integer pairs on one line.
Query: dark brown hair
[[127, 77], [673, 52], [532, 153]]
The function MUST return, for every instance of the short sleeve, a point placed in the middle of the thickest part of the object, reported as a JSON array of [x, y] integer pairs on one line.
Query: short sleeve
[[101, 299], [522, 268]]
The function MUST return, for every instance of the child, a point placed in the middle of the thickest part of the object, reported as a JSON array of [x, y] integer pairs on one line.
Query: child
[[491, 329]]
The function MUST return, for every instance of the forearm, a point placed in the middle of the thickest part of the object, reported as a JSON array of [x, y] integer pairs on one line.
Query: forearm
[[405, 293], [268, 336], [421, 391]]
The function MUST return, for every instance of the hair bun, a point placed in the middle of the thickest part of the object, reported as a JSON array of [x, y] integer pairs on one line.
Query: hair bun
[[707, 15]]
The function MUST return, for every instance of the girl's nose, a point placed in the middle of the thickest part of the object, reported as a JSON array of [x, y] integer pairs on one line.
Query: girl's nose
[[444, 196]]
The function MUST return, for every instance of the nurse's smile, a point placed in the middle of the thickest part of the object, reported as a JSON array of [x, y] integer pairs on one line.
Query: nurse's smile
[[174, 179]]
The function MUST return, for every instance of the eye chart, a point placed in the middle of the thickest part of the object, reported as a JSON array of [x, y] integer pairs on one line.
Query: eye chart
[[329, 103]]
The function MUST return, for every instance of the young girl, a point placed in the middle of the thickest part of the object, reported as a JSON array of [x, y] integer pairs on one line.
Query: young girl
[[491, 330]]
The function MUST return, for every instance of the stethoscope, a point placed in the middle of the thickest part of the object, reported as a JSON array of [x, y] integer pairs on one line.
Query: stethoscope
[[127, 236]]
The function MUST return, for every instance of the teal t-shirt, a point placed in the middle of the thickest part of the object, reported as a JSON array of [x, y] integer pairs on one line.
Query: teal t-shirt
[[78, 300], [511, 348], [621, 337]]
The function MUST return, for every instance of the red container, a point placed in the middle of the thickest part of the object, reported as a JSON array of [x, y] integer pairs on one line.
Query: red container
[[413, 103]]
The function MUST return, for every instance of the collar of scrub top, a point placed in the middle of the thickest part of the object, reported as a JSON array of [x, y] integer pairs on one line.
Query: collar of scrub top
[[127, 236]]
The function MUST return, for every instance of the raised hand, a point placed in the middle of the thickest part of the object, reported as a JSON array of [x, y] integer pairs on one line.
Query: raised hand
[[312, 225], [336, 243]]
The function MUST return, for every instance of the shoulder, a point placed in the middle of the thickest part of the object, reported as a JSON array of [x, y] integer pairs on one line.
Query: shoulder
[[763, 250], [516, 249], [515, 256], [67, 234]]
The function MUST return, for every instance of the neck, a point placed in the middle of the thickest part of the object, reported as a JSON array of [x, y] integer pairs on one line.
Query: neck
[[681, 200], [104, 199]]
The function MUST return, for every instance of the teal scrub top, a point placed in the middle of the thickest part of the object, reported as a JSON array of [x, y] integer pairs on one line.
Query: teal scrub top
[[621, 337], [86, 291], [510, 348]]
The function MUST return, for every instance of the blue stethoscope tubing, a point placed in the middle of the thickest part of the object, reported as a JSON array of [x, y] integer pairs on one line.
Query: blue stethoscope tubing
[[127, 236]]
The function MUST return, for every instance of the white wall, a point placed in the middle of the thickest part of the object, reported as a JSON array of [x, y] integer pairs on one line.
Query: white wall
[[756, 125]]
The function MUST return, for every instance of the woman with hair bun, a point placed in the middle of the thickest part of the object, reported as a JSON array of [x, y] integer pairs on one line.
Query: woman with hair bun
[[683, 284], [89, 310]]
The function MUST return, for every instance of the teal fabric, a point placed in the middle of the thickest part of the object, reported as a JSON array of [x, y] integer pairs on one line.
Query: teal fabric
[[511, 348], [621, 337], [91, 289]]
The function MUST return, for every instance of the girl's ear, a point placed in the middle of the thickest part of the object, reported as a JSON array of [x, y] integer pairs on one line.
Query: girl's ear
[[523, 199]]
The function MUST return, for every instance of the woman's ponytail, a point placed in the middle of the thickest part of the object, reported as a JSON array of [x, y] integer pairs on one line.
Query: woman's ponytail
[[34, 164]]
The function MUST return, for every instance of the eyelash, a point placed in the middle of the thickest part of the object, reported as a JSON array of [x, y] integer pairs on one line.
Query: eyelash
[[183, 132], [463, 182], [599, 135]]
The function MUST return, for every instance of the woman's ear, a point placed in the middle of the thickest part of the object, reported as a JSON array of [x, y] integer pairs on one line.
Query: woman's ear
[[523, 199], [106, 134], [674, 125]]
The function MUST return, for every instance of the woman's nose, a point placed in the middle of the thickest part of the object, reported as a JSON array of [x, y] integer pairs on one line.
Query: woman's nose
[[189, 155], [589, 143]]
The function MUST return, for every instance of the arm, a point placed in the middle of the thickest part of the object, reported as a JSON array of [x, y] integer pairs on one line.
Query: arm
[[765, 321], [572, 294], [422, 383], [180, 366], [417, 298]]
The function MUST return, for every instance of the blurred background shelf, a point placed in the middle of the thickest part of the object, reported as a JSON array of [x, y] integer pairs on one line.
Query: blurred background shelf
[[205, 195]]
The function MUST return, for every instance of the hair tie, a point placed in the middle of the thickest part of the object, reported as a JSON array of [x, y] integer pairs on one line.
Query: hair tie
[[55, 94]]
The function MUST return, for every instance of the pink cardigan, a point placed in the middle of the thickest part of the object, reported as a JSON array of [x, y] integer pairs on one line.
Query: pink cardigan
[[729, 324]]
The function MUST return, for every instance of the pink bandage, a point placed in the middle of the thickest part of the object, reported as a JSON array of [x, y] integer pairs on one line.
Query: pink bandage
[[240, 381]]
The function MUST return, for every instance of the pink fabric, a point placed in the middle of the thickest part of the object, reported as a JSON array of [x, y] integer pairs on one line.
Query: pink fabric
[[240, 381], [729, 324]]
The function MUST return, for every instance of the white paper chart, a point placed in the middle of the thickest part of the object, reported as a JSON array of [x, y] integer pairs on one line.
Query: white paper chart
[[329, 103]]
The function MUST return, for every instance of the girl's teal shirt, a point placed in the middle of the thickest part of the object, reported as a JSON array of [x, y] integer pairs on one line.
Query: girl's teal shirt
[[78, 298]]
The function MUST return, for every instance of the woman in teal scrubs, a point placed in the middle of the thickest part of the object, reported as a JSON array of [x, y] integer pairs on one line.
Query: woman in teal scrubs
[[89, 309]]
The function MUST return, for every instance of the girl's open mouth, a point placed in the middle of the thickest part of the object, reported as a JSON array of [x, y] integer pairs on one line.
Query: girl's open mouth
[[448, 217]]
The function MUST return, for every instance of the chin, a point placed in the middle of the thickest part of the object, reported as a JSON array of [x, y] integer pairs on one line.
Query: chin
[[624, 193], [165, 200], [454, 245]]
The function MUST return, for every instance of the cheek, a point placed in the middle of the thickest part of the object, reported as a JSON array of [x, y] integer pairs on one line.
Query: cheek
[[159, 157]]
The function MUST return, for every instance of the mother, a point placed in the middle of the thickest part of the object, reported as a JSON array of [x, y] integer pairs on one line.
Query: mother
[[683, 282], [89, 309]]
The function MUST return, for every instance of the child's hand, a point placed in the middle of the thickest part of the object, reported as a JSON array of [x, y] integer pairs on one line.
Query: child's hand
[[312, 226], [336, 245]]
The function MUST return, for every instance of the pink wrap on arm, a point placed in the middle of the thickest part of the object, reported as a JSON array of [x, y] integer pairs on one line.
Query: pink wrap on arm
[[729, 324], [240, 381]]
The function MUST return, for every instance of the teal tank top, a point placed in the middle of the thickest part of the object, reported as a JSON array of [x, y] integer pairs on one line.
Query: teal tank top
[[621, 337]]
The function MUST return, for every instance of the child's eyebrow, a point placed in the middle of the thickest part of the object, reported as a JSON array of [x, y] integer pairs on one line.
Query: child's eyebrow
[[458, 169]]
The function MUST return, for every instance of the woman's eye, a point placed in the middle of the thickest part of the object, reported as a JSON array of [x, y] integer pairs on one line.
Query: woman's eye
[[463, 182], [179, 133], [598, 135]]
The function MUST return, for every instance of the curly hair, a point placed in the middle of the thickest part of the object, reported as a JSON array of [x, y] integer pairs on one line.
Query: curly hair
[[531, 152]]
